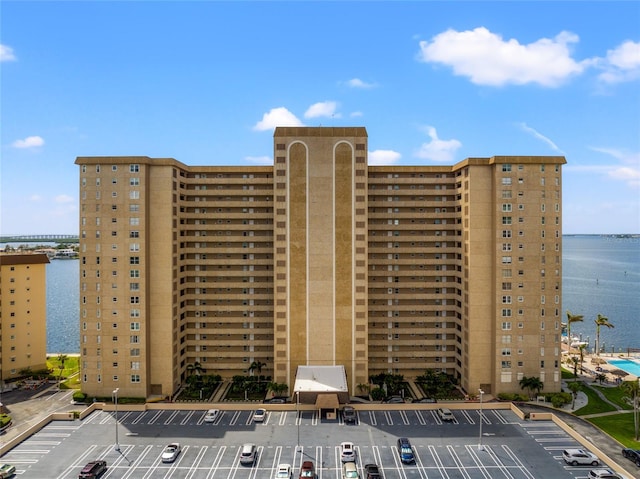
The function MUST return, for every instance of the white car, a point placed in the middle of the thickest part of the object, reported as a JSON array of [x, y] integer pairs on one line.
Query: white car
[[350, 471], [347, 452], [211, 415], [259, 415], [171, 452], [284, 471], [445, 414], [580, 457]]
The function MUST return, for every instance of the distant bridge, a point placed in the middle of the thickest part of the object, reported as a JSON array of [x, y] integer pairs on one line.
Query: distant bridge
[[40, 239]]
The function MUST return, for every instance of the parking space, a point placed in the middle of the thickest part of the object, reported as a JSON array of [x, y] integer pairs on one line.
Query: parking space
[[508, 448]]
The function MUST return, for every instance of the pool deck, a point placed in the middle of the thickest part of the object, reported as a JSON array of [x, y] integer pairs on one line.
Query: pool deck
[[614, 375]]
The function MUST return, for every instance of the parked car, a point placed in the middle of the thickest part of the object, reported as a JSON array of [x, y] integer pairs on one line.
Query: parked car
[[426, 400], [633, 455], [211, 415], [371, 471], [347, 452], [349, 415], [307, 470], [171, 452], [248, 454], [393, 400], [277, 400], [445, 414], [349, 470], [92, 470], [579, 457], [7, 470], [283, 471], [603, 474], [406, 451], [259, 415]]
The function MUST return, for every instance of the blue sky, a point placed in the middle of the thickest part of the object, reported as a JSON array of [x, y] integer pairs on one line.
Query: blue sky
[[206, 83]]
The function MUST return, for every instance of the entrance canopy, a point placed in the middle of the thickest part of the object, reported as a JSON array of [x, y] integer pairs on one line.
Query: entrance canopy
[[312, 382]]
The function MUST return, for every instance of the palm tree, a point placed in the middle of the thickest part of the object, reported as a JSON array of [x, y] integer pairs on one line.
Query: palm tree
[[632, 389], [531, 384], [581, 350], [257, 366], [574, 387], [574, 361], [572, 318], [61, 360], [601, 321], [195, 368]]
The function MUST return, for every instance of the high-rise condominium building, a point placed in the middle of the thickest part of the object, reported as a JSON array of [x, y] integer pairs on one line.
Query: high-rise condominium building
[[23, 314], [320, 259]]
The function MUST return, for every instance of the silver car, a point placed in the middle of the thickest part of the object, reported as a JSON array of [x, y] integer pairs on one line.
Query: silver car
[[171, 452], [580, 457]]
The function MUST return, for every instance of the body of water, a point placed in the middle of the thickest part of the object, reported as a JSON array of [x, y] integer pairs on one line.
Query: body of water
[[600, 275]]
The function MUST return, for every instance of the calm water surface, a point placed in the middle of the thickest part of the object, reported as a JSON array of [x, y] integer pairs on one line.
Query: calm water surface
[[600, 275]]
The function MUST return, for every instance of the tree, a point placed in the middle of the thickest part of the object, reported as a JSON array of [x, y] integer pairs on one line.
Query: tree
[[572, 318], [61, 360], [601, 321], [574, 387], [574, 361], [531, 384], [195, 368], [632, 390], [257, 366], [581, 350]]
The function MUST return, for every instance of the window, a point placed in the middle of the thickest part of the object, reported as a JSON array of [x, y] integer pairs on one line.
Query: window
[[135, 378], [134, 182], [134, 273], [135, 326], [134, 168], [506, 207], [506, 326], [134, 259], [134, 195], [506, 313], [134, 352], [506, 181], [506, 167], [135, 365], [507, 220], [134, 339]]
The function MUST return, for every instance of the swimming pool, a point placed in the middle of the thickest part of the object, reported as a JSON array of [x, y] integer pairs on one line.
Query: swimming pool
[[632, 367]]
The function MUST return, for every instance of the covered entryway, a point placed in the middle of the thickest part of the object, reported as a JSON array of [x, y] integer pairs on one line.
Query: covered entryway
[[323, 386]]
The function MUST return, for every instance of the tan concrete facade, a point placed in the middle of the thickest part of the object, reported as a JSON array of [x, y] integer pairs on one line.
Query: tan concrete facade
[[23, 314], [320, 259]]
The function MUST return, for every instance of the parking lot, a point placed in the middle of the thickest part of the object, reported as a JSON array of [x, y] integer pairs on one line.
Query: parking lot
[[508, 447]]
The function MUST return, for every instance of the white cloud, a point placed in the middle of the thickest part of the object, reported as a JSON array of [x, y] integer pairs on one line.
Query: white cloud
[[383, 157], [437, 149], [487, 59], [322, 109], [6, 54], [259, 160], [355, 114], [628, 171], [621, 64], [277, 117], [357, 83], [28, 142], [64, 199], [35, 198], [540, 137]]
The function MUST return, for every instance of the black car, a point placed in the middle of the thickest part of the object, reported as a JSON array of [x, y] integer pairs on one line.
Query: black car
[[425, 400], [371, 471], [633, 455], [93, 470], [349, 415], [394, 400], [277, 400]]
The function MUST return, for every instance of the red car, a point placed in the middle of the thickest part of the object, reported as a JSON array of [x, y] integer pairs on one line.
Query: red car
[[307, 470]]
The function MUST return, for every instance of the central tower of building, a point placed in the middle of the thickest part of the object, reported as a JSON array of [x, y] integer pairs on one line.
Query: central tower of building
[[320, 273]]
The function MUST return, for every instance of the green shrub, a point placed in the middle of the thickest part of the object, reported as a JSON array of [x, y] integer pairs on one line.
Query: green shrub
[[4, 420], [79, 396]]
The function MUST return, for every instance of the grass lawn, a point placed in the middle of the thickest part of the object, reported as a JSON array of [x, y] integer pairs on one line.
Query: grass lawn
[[71, 370], [595, 404], [619, 426], [615, 395]]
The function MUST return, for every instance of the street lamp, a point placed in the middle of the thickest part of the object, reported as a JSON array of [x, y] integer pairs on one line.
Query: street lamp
[[298, 418], [115, 395], [480, 435]]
